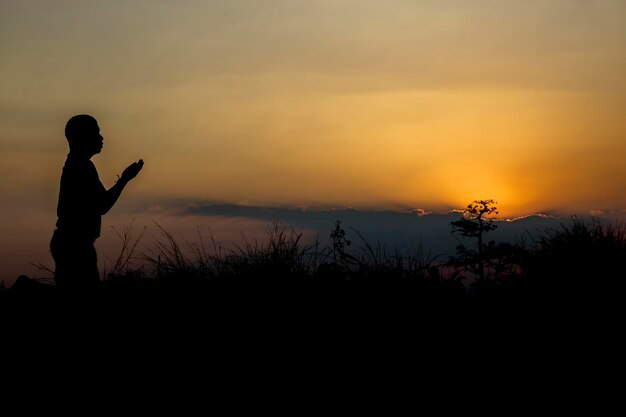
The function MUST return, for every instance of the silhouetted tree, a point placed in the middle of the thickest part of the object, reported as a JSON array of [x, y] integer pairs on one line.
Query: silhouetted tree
[[474, 224]]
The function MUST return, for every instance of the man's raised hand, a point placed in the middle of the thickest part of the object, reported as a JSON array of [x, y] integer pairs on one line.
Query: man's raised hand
[[132, 170]]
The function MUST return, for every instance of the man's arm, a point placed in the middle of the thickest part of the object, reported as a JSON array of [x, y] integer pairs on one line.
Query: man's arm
[[113, 193]]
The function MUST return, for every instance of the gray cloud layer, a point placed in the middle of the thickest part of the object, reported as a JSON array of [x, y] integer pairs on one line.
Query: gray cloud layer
[[387, 227]]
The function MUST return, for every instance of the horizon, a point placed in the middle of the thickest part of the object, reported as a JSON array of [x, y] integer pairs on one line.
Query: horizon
[[231, 224], [272, 103]]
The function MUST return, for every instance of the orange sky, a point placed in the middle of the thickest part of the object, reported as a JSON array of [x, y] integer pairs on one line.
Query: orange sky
[[365, 103]]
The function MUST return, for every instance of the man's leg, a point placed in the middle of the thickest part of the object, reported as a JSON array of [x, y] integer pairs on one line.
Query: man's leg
[[76, 263]]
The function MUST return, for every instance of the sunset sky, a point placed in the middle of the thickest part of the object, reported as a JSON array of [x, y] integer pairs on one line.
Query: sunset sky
[[373, 104]]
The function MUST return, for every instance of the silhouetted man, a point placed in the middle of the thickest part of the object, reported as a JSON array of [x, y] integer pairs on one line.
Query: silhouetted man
[[82, 201]]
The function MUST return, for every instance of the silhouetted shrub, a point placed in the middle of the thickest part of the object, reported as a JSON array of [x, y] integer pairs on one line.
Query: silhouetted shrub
[[578, 259]]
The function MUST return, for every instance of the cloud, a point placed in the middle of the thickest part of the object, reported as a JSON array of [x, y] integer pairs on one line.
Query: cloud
[[391, 228]]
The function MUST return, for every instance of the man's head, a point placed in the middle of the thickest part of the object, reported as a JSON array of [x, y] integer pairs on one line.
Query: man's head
[[83, 135]]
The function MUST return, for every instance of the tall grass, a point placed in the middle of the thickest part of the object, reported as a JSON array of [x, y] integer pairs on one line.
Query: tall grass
[[281, 259], [580, 257], [126, 260]]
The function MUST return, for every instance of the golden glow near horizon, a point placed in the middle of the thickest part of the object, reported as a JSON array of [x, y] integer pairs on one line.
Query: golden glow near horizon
[[366, 103]]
